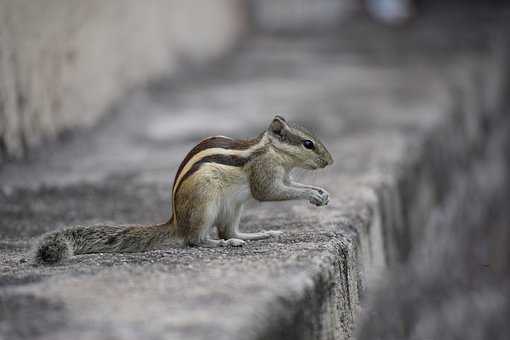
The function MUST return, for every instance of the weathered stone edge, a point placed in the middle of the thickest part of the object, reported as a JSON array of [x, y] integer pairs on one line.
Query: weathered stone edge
[[326, 304]]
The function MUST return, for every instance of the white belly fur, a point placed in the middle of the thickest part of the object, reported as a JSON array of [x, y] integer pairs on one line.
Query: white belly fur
[[234, 196], [234, 192], [232, 202]]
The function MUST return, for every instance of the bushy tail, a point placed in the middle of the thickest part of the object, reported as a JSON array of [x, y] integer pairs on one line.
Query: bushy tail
[[53, 248], [57, 246]]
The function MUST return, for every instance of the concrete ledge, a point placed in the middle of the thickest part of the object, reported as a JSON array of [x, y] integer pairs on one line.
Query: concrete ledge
[[383, 119], [451, 269]]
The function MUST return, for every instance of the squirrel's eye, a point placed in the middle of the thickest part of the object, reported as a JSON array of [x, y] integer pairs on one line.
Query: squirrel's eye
[[308, 144]]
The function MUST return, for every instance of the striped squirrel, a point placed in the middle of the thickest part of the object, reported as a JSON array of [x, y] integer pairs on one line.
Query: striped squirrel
[[212, 184]]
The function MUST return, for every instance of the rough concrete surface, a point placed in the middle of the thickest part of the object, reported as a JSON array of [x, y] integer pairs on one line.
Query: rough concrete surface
[[451, 276], [62, 63], [374, 96]]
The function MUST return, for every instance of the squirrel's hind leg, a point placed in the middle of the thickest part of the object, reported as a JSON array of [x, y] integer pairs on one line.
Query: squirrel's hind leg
[[229, 228], [200, 223]]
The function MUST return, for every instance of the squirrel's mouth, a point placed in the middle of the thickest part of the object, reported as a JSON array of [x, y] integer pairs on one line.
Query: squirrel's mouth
[[315, 164], [311, 166], [322, 163]]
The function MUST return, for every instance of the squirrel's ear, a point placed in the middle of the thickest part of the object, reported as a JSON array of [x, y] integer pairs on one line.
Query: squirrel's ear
[[278, 125], [280, 118]]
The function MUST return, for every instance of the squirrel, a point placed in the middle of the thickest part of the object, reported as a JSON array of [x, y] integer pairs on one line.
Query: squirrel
[[212, 184]]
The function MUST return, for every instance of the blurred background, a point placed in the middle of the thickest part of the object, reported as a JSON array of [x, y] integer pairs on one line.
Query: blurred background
[[101, 99], [65, 64]]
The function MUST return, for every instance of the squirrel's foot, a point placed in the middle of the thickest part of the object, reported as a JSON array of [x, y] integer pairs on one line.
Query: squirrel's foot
[[257, 236], [272, 233], [210, 243], [319, 197], [232, 242]]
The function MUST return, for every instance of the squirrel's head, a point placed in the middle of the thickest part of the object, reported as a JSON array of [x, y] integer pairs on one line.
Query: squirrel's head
[[306, 150]]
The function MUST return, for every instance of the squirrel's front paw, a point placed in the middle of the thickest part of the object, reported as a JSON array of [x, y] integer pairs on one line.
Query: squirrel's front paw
[[319, 197]]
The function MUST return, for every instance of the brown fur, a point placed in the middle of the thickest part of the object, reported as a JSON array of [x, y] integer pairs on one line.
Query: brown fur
[[217, 142], [218, 159], [210, 189]]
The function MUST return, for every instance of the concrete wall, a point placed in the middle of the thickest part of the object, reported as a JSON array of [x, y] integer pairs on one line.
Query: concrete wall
[[62, 63], [451, 260]]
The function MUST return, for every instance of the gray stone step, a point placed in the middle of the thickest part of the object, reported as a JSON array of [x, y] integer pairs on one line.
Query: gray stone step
[[375, 104]]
